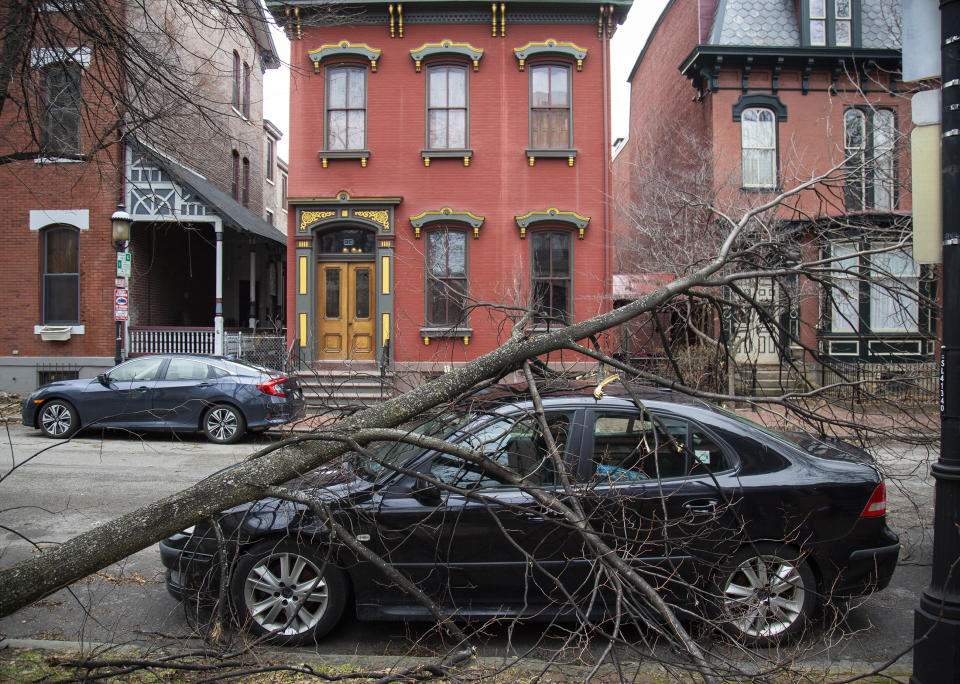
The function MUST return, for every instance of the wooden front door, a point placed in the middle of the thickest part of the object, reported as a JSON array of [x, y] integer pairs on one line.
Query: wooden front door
[[346, 312]]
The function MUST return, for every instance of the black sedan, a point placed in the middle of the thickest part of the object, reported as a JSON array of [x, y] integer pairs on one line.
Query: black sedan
[[219, 397], [727, 518]]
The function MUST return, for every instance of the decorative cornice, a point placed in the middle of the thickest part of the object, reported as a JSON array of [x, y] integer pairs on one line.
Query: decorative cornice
[[345, 49], [703, 64], [446, 215], [447, 48], [552, 215], [550, 46]]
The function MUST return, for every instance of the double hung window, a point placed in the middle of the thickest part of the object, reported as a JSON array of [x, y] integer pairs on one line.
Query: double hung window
[[874, 293], [758, 140], [346, 108], [446, 277], [61, 276], [552, 275], [868, 141], [447, 107], [830, 22], [550, 107], [62, 101]]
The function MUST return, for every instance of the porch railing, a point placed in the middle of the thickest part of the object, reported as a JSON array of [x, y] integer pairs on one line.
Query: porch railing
[[170, 340]]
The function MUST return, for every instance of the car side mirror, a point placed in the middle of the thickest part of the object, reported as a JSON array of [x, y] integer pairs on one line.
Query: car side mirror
[[103, 379], [426, 493]]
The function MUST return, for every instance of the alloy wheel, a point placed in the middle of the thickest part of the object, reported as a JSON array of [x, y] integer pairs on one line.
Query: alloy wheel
[[56, 419], [285, 593], [764, 596], [222, 423]]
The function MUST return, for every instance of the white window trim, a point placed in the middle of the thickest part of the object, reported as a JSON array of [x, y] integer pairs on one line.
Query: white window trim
[[43, 56], [41, 218]]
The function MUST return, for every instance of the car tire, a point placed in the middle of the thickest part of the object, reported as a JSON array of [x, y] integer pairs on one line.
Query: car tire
[[224, 424], [266, 589], [765, 595], [58, 419]]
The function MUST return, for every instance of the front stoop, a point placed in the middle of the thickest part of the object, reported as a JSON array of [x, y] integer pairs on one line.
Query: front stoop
[[344, 386]]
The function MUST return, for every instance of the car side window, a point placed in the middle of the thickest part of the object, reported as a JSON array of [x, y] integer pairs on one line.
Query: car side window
[[137, 370], [187, 369], [516, 444], [633, 447], [217, 372]]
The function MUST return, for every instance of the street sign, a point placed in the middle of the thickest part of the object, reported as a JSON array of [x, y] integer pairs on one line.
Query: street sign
[[120, 282], [120, 304], [124, 262]]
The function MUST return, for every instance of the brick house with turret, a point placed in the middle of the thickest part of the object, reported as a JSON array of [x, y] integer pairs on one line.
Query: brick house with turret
[[759, 95]]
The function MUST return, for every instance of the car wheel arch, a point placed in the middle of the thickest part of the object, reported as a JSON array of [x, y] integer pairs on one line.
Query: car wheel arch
[[809, 608], [56, 397]]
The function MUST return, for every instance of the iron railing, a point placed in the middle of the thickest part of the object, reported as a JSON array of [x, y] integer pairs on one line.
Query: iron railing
[[170, 340]]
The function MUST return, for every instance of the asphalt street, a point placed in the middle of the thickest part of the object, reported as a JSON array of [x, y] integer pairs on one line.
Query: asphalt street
[[60, 489]]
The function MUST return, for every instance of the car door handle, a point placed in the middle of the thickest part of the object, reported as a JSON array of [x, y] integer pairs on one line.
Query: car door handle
[[701, 507], [204, 384], [143, 388]]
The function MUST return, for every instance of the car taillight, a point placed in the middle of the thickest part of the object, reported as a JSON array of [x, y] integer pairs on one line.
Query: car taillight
[[273, 387], [877, 505]]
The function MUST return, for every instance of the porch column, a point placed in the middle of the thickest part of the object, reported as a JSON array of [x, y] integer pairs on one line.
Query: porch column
[[218, 310], [252, 321]]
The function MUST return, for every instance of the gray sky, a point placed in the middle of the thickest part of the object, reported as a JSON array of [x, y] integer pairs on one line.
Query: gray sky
[[624, 48]]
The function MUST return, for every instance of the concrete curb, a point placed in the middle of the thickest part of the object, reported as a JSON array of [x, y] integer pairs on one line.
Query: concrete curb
[[394, 663]]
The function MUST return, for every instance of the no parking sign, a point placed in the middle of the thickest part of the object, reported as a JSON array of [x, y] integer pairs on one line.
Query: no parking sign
[[120, 304]]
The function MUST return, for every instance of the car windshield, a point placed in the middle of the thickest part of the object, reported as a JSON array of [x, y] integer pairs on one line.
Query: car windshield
[[386, 454]]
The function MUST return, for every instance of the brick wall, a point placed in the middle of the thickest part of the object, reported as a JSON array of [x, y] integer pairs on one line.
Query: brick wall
[[499, 184]]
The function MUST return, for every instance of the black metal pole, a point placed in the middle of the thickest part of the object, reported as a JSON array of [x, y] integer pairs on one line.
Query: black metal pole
[[936, 657], [118, 353]]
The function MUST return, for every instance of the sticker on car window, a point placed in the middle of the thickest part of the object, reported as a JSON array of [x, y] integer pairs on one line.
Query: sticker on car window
[[703, 455]]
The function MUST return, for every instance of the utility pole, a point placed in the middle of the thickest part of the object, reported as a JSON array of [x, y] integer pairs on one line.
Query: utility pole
[[936, 657]]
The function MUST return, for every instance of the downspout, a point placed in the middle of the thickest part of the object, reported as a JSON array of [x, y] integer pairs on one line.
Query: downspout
[[607, 161]]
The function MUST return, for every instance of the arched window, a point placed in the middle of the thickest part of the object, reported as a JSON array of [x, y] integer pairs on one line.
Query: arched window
[[236, 81], [446, 276], [758, 144], [868, 141], [61, 276], [245, 109], [245, 197], [235, 186]]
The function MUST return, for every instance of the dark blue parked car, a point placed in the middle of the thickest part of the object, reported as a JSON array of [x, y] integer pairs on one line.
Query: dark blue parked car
[[174, 392]]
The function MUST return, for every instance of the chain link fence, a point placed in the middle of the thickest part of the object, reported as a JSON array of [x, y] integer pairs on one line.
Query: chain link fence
[[263, 350]]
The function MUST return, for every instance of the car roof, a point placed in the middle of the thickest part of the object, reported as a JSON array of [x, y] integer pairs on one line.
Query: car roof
[[580, 393]]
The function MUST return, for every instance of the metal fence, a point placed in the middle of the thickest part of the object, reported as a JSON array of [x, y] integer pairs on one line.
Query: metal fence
[[263, 350], [863, 381]]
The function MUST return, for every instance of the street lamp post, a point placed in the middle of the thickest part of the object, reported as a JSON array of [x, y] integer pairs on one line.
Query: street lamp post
[[120, 233], [936, 657]]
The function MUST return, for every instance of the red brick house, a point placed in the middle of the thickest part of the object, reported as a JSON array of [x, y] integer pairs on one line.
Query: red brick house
[[448, 163], [757, 95], [203, 257]]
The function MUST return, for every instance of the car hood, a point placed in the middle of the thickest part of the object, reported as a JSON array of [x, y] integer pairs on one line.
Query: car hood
[[65, 384], [334, 485]]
